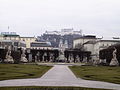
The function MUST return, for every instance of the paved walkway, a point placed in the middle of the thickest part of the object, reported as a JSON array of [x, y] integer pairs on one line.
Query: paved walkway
[[59, 75]]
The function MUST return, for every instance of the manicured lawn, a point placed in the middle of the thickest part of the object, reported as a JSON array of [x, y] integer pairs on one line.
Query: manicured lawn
[[47, 88], [19, 71], [100, 73]]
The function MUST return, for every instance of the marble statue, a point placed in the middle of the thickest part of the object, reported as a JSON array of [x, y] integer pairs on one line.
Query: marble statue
[[23, 57], [61, 56], [8, 57], [114, 61], [44, 57]]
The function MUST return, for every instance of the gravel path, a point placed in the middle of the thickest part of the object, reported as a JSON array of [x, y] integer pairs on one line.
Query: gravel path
[[59, 75]]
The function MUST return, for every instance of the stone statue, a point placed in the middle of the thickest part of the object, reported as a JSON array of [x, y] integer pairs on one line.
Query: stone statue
[[61, 56], [23, 57], [70, 58], [8, 57], [114, 61], [77, 58], [44, 57], [51, 57], [37, 56]]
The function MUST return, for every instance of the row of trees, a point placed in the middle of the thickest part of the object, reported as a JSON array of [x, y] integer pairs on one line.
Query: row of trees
[[76, 55], [38, 55]]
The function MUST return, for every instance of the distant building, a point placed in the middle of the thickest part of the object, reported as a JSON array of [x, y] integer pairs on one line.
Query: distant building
[[65, 31], [54, 37], [14, 36], [41, 45], [15, 44], [28, 40], [82, 40]]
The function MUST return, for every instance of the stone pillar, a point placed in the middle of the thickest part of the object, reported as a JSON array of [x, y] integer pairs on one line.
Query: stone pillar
[[30, 57], [35, 58], [38, 56]]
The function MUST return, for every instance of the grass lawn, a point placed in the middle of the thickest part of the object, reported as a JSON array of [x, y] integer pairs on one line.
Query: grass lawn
[[100, 73], [47, 88], [20, 71]]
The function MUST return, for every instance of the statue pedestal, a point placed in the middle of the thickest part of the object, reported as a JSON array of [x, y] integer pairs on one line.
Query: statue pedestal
[[114, 62]]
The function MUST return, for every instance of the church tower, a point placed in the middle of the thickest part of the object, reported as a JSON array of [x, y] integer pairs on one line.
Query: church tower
[[66, 44]]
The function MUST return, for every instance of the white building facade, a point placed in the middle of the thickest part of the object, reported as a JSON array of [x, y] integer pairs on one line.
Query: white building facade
[[94, 45]]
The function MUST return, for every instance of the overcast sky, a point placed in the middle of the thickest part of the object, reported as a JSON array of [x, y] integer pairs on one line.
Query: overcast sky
[[33, 17]]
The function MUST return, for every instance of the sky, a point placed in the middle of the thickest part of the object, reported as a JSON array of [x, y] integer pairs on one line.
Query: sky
[[34, 17]]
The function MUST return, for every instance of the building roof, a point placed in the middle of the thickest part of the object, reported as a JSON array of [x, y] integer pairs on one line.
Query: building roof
[[5, 40], [11, 41], [27, 37], [87, 37], [111, 38], [40, 44], [90, 42], [109, 41], [9, 34]]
